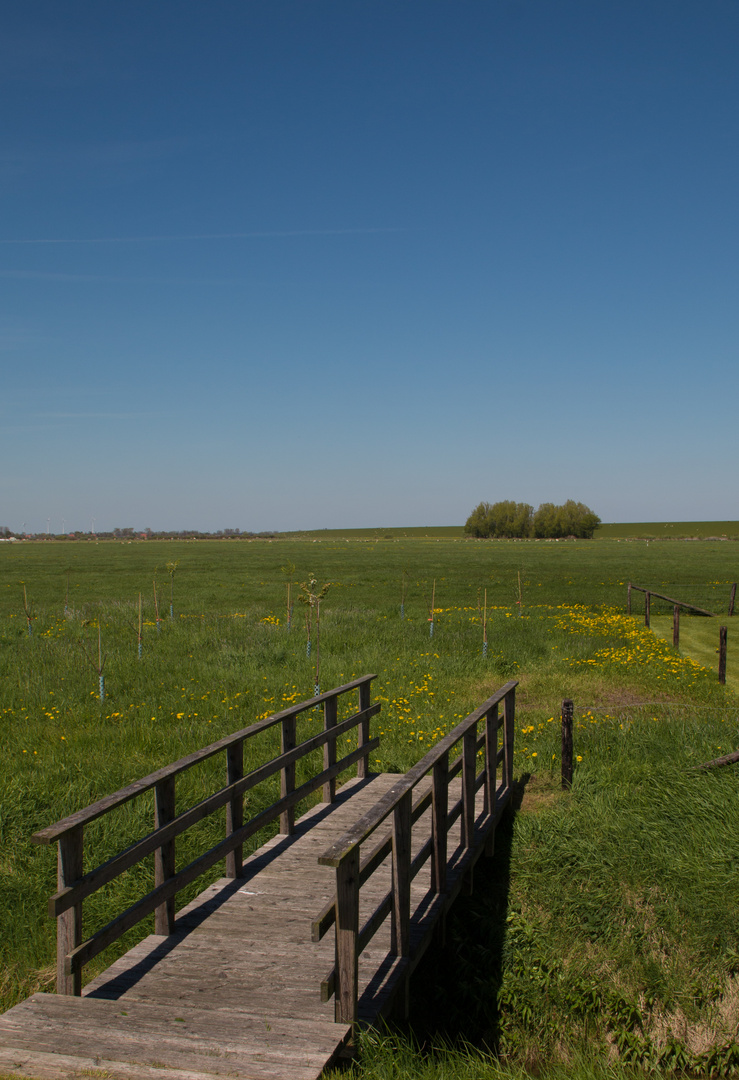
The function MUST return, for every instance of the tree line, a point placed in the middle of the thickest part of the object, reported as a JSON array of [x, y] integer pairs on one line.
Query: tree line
[[512, 520]]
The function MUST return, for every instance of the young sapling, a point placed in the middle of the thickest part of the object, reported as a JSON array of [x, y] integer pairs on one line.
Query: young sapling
[[312, 599], [171, 568], [403, 592], [28, 610], [100, 663], [431, 614]]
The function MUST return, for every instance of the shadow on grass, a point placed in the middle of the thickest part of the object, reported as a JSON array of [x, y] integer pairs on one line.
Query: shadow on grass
[[454, 990]]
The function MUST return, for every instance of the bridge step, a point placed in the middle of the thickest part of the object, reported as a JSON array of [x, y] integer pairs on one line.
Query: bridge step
[[48, 1036]]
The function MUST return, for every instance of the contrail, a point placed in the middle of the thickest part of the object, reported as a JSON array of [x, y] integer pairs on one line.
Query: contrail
[[206, 236]]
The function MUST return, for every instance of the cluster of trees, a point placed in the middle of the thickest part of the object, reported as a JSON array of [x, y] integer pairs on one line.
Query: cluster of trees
[[511, 520]]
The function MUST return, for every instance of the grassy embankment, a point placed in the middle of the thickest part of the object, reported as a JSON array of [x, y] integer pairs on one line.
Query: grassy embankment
[[606, 925]]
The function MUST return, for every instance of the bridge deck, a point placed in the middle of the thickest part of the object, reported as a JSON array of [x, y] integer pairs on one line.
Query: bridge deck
[[235, 991]]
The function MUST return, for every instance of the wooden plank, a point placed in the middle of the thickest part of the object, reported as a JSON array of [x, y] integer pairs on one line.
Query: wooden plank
[[110, 933], [363, 735], [385, 805], [138, 787], [234, 807], [347, 932], [330, 707], [402, 874], [439, 822], [164, 856], [287, 774], [69, 924], [114, 867], [671, 600], [567, 714]]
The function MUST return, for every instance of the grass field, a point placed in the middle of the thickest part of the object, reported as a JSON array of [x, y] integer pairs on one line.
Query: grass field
[[699, 639], [606, 929]]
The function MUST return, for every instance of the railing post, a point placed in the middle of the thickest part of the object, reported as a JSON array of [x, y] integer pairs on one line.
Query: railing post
[[401, 945], [69, 923], [509, 719], [287, 774], [568, 709], [732, 599], [491, 772], [628, 599], [330, 712], [363, 733], [722, 655], [647, 607], [164, 859], [440, 811], [235, 808], [347, 934], [676, 626], [469, 759]]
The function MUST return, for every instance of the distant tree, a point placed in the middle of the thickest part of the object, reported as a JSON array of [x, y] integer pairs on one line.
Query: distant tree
[[509, 520], [506, 519]]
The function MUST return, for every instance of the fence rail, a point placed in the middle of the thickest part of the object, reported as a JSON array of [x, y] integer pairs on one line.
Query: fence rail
[[477, 831], [74, 886]]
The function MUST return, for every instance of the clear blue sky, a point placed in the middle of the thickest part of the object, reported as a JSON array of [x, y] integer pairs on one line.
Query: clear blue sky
[[302, 263]]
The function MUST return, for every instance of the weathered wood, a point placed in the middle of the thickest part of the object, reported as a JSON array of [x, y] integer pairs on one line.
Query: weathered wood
[[727, 759], [732, 599], [676, 626], [363, 734], [722, 655], [402, 874], [164, 856], [133, 915], [330, 708], [347, 933], [287, 774], [385, 805], [509, 720], [234, 807], [108, 871], [138, 787], [628, 599], [647, 607], [469, 756], [439, 822], [672, 600], [69, 924], [568, 708]]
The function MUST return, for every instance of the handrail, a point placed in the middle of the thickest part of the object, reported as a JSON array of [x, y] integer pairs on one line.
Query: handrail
[[74, 886], [374, 817], [138, 787], [476, 831], [661, 596]]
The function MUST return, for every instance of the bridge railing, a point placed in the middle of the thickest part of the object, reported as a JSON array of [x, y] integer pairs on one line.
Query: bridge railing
[[74, 886], [352, 871]]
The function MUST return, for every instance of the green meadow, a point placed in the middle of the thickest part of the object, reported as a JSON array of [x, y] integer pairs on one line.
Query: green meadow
[[603, 936]]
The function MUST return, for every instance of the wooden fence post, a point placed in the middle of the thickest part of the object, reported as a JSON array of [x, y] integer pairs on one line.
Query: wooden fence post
[[330, 712], [347, 934], [491, 762], [287, 774], [509, 719], [69, 923], [628, 599], [402, 875], [440, 803], [164, 857], [676, 626], [234, 808], [568, 708], [647, 607], [732, 598], [363, 731], [722, 655], [469, 762]]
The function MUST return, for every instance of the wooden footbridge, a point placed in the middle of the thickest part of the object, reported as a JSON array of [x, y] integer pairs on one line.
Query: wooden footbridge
[[341, 904]]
